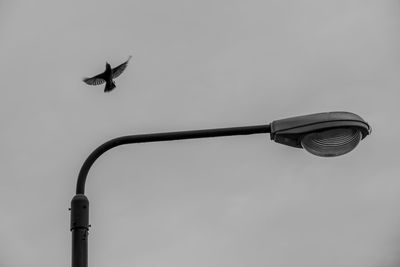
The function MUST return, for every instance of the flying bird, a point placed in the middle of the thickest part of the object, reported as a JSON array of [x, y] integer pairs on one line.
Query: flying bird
[[107, 76]]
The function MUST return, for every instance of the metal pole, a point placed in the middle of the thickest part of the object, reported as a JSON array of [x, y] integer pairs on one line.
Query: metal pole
[[80, 204], [80, 230]]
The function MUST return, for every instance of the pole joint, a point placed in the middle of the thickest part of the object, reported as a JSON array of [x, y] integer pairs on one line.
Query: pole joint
[[79, 212]]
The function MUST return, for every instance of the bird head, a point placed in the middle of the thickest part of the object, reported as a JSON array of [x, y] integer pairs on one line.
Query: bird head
[[108, 66]]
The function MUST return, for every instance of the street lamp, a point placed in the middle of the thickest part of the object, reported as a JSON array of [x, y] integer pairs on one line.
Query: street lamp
[[323, 134]]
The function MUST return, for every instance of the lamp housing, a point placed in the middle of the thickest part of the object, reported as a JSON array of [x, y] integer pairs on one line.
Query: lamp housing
[[323, 134]]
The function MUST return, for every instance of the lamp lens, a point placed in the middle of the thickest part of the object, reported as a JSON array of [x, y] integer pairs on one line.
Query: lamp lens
[[333, 142]]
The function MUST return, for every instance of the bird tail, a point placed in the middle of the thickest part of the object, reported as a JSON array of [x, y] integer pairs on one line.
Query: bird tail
[[109, 86]]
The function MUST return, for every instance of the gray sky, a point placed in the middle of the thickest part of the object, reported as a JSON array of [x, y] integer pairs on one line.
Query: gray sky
[[236, 201]]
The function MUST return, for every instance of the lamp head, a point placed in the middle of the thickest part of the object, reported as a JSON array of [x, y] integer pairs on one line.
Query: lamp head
[[326, 134]]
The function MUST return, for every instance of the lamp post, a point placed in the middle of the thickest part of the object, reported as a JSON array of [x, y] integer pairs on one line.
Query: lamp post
[[323, 134]]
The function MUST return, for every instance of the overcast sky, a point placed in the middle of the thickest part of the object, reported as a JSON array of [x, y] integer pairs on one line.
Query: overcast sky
[[234, 201]]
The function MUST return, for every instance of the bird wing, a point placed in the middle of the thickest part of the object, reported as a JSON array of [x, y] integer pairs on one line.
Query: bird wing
[[96, 80], [119, 69]]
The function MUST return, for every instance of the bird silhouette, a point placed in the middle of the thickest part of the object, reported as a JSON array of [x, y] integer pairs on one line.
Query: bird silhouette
[[107, 76]]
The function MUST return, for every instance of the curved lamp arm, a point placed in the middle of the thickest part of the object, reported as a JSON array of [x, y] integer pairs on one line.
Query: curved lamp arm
[[157, 137], [80, 204]]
